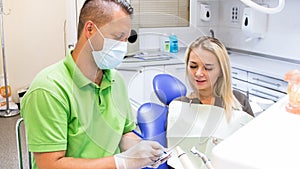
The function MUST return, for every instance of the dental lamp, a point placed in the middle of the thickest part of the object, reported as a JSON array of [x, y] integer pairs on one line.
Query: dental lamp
[[263, 9]]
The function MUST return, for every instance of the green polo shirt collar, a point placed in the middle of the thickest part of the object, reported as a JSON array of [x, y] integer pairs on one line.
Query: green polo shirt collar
[[80, 79]]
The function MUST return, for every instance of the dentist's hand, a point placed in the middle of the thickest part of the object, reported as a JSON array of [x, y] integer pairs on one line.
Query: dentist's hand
[[145, 153]]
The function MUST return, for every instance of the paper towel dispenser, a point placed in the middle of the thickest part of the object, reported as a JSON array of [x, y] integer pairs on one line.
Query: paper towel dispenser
[[254, 23], [263, 8], [205, 12]]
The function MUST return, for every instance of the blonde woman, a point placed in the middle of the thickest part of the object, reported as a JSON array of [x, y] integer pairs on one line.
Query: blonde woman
[[209, 74], [204, 126]]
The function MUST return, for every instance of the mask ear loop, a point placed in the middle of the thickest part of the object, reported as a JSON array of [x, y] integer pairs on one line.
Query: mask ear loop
[[89, 40], [91, 44], [99, 31]]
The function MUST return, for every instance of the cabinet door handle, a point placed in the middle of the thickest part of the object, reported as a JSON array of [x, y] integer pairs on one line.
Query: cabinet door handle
[[267, 82], [235, 73], [261, 92]]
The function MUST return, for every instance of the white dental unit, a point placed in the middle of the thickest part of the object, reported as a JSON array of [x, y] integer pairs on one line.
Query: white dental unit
[[270, 141]]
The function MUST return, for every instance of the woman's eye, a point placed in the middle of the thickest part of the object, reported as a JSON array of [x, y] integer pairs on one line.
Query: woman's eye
[[208, 68], [193, 67], [119, 37]]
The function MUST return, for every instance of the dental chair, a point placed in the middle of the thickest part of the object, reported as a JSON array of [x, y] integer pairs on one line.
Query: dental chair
[[152, 117], [22, 145], [167, 88]]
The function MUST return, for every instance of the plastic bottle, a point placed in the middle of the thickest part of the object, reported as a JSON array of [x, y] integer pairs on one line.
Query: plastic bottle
[[164, 43], [173, 43], [293, 79]]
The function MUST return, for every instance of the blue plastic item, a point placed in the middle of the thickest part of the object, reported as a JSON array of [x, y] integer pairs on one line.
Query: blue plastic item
[[173, 44], [168, 88]]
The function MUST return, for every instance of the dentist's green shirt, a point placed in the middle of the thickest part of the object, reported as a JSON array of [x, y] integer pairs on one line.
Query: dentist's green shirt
[[63, 110]]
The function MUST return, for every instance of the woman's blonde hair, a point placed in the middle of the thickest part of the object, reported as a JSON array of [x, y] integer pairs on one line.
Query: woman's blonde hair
[[223, 87]]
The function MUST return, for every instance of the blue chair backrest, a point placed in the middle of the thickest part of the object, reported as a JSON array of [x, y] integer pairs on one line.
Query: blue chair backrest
[[168, 88]]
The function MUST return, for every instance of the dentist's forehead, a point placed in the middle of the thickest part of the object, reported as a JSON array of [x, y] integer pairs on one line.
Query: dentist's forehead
[[120, 25]]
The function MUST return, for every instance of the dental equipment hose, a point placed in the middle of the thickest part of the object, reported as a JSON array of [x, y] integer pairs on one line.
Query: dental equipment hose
[[205, 160]]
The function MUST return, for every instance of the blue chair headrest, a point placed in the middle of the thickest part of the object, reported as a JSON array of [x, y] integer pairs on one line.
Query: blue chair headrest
[[168, 88], [152, 119]]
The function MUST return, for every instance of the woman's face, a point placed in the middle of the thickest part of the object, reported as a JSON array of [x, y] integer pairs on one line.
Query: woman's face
[[203, 69]]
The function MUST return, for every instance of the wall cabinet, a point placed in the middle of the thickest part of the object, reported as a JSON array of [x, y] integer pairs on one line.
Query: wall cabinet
[[268, 82], [239, 74], [139, 84], [262, 91], [240, 85], [258, 85], [139, 81]]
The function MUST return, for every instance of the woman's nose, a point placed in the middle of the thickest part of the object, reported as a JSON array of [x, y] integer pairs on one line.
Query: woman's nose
[[200, 72]]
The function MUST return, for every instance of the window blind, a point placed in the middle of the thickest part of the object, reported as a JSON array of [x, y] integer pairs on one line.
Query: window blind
[[161, 13]]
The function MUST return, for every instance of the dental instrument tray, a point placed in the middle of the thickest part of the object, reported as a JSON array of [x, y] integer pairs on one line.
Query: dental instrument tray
[[149, 57]]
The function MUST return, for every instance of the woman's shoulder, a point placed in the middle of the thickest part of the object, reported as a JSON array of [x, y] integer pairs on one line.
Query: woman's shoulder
[[182, 98], [244, 101], [239, 95]]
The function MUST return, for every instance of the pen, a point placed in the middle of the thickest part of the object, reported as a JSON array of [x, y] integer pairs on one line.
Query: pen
[[138, 134], [163, 156]]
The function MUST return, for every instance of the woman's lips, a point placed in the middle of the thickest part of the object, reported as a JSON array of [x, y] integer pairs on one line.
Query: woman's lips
[[199, 82]]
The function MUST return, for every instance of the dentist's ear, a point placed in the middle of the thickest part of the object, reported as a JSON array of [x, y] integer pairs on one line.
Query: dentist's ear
[[88, 28], [89, 25]]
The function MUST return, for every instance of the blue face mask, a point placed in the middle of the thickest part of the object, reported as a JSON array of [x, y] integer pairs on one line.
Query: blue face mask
[[112, 53]]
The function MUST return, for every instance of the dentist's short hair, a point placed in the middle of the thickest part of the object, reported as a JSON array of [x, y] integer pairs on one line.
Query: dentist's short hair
[[100, 12]]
